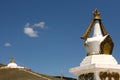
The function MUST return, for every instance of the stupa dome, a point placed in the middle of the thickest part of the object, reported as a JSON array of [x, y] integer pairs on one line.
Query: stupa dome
[[12, 65]]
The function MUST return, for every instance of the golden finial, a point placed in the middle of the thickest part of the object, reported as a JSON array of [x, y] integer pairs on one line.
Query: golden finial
[[96, 14], [12, 60]]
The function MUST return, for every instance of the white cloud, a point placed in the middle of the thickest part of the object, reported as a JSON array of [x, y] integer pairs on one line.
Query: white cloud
[[40, 24], [30, 31], [7, 44]]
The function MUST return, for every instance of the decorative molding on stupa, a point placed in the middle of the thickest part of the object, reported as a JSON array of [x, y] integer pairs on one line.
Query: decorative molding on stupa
[[96, 62]]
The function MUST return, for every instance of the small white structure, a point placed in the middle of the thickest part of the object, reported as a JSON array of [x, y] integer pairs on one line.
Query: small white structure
[[12, 64], [99, 64]]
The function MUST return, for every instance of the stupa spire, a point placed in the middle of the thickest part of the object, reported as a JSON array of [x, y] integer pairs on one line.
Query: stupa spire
[[97, 30], [12, 60]]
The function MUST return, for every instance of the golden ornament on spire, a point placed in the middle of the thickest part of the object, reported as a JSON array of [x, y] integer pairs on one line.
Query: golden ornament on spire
[[96, 14]]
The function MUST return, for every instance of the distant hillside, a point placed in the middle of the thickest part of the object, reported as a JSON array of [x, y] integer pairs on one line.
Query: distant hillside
[[65, 78], [1, 65], [25, 74]]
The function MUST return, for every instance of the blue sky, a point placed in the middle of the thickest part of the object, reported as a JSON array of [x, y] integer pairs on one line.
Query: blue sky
[[44, 35]]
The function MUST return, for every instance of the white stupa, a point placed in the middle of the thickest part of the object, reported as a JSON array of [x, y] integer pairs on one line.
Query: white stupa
[[99, 64], [12, 64]]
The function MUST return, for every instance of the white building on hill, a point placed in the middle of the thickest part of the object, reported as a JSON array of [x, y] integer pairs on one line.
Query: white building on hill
[[12, 64]]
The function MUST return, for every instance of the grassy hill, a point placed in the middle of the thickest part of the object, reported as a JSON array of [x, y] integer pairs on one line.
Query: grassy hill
[[1, 65], [25, 74]]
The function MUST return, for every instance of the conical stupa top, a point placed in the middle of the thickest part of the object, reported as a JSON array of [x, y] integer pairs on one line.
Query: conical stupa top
[[97, 30], [96, 22]]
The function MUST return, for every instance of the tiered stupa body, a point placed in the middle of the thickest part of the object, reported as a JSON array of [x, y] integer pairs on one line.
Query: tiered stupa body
[[99, 64]]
